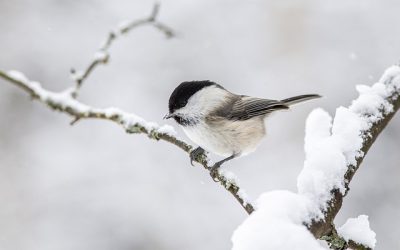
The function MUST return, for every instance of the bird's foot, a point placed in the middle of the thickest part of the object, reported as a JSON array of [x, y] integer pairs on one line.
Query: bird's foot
[[195, 154]]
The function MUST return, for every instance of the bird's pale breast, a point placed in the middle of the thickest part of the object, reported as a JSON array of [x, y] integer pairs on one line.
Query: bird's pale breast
[[225, 138]]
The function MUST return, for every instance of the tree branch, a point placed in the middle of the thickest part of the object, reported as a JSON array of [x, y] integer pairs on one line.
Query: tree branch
[[390, 85], [334, 151], [66, 103], [102, 55], [339, 243]]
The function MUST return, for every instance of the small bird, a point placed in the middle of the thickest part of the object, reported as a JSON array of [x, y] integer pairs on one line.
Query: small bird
[[221, 122]]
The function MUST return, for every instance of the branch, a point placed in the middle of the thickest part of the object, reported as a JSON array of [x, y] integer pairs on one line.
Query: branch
[[374, 109], [334, 151], [337, 242], [66, 103], [102, 55]]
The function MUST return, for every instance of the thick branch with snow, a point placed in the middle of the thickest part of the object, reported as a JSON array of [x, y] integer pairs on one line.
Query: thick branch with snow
[[354, 130], [334, 150]]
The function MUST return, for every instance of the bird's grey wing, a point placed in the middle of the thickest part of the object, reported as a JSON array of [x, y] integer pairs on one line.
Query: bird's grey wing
[[246, 107]]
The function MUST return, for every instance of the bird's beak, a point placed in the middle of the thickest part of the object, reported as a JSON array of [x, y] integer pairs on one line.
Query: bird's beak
[[167, 116]]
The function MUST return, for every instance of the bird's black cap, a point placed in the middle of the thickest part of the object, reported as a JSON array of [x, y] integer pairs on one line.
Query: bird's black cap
[[184, 91]]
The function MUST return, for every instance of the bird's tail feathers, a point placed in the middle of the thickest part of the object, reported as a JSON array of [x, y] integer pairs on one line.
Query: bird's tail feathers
[[301, 98]]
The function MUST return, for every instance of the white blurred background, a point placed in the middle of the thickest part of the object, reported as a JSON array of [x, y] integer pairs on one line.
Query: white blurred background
[[91, 186]]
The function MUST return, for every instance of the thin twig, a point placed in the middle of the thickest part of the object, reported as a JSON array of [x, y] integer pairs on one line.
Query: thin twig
[[102, 55]]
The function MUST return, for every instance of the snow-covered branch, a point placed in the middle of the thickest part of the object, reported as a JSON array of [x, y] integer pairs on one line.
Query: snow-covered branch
[[102, 55], [66, 102], [334, 150]]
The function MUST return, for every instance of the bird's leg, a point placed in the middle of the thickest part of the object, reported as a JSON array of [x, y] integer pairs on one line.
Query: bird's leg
[[217, 165], [195, 153]]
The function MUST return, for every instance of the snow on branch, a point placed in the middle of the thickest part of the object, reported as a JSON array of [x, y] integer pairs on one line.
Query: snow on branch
[[102, 55], [334, 151], [65, 102], [358, 231]]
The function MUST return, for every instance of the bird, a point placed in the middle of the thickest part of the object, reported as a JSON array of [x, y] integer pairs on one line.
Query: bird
[[221, 122]]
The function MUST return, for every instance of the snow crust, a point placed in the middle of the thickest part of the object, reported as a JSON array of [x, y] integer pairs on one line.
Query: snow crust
[[331, 147], [167, 129], [232, 179], [123, 25], [101, 55], [359, 231], [65, 100], [77, 75], [17, 76], [276, 224]]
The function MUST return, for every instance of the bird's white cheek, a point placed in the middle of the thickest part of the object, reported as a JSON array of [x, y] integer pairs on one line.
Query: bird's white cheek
[[204, 102], [189, 111]]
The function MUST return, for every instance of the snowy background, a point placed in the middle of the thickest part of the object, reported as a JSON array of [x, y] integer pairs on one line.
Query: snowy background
[[92, 186]]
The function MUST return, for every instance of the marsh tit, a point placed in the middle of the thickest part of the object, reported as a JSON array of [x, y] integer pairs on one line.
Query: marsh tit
[[221, 122]]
